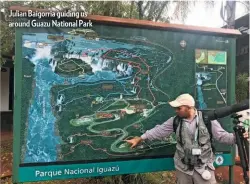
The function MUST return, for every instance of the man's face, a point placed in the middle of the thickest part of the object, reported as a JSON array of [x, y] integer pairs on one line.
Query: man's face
[[182, 111]]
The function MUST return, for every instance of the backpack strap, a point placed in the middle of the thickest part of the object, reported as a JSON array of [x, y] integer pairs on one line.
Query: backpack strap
[[208, 124], [176, 122]]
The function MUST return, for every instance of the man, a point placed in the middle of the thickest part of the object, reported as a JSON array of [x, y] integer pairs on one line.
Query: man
[[194, 156]]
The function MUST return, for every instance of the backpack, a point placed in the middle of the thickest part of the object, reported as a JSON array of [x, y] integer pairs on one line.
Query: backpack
[[178, 121]]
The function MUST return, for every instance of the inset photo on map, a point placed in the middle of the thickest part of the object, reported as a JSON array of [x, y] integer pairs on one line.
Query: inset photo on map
[[201, 56], [217, 57]]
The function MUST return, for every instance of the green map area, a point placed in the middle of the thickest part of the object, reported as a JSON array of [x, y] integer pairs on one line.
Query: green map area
[[85, 94], [121, 95]]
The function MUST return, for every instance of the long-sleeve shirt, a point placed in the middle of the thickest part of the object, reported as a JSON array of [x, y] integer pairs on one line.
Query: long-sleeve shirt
[[165, 129]]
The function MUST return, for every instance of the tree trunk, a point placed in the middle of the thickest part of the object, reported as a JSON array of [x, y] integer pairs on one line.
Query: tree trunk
[[231, 6], [139, 5], [161, 10], [115, 11], [131, 9], [151, 10], [107, 8]]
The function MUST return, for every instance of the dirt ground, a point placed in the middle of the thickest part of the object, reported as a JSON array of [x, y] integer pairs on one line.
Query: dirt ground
[[6, 168]]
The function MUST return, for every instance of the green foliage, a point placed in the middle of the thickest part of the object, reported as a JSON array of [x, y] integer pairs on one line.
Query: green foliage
[[7, 36], [242, 87], [148, 10]]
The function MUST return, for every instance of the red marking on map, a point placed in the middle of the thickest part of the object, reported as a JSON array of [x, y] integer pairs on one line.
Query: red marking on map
[[87, 142], [134, 64], [104, 115], [122, 113], [107, 86]]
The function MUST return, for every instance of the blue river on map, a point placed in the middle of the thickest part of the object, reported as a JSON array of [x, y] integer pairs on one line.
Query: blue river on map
[[41, 145], [201, 78]]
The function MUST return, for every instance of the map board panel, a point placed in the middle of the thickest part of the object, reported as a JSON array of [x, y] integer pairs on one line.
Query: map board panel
[[84, 91]]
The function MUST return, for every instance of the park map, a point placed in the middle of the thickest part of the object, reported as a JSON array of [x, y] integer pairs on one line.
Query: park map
[[87, 94]]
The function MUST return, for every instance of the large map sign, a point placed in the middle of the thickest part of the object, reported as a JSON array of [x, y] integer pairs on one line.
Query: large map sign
[[80, 93]]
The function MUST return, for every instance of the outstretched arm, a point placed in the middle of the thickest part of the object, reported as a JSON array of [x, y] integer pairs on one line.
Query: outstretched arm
[[159, 131]]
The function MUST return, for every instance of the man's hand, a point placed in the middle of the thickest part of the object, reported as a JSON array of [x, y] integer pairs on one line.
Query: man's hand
[[246, 135], [135, 141]]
